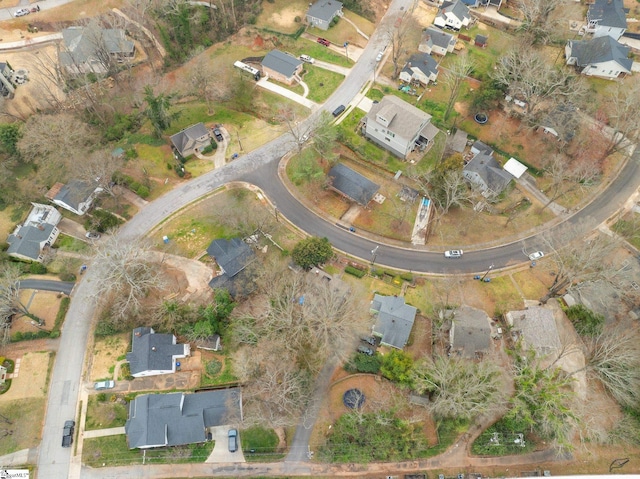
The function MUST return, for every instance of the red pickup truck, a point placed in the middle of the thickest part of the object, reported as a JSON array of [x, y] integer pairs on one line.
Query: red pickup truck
[[323, 41]]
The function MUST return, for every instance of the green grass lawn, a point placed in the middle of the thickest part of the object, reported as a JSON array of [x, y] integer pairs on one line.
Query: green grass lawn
[[109, 412], [259, 444], [322, 83], [69, 243], [114, 451], [225, 375], [26, 416]]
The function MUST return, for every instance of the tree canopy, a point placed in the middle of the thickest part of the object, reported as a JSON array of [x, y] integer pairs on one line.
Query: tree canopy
[[312, 252]]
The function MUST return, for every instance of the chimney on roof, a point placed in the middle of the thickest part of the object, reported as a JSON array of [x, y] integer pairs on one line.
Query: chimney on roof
[[153, 348]]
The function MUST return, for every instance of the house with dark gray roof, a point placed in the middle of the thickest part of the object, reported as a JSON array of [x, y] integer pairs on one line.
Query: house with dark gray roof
[[31, 239], [232, 257], [7, 88], [322, 12], [485, 172], [394, 320], [470, 333], [176, 419], [191, 139], [606, 18], [436, 41], [75, 196], [396, 126], [421, 68], [352, 184], [454, 15], [153, 354], [601, 57], [536, 326], [89, 49], [282, 67]]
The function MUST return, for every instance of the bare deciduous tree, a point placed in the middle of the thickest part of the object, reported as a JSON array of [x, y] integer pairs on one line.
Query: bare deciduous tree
[[614, 358], [10, 303], [459, 388], [581, 260], [399, 31], [209, 83], [99, 168], [126, 275], [275, 391], [624, 111], [566, 177], [536, 18], [529, 77], [55, 143], [453, 78]]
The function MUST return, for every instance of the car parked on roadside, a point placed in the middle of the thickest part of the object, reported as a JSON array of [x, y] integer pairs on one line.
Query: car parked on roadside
[[100, 385], [233, 440], [454, 253], [365, 350], [338, 111], [379, 57], [67, 433], [323, 41], [21, 12], [536, 255]]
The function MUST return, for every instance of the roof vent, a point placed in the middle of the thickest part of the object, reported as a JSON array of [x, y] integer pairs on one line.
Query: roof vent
[[153, 348]]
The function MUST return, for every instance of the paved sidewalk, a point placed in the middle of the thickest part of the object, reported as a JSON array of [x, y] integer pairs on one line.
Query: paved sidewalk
[[331, 67], [19, 458], [113, 431], [360, 32]]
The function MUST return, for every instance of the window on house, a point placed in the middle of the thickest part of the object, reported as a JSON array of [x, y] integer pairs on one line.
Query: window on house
[[388, 139]]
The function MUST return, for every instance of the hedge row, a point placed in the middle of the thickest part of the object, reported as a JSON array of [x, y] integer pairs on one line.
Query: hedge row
[[358, 273]]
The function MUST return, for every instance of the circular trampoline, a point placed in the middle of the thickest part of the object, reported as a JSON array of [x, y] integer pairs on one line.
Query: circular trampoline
[[353, 399], [481, 118]]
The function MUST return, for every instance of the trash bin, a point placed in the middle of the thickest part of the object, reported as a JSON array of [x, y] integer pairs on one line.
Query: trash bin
[[165, 239]]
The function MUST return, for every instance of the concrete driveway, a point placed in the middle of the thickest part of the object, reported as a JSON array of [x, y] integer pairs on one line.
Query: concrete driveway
[[220, 451]]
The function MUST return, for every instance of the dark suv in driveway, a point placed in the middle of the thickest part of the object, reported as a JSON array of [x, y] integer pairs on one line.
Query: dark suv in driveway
[[218, 134], [67, 433]]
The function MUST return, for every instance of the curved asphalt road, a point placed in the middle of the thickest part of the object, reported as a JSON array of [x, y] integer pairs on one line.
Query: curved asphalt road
[[47, 285]]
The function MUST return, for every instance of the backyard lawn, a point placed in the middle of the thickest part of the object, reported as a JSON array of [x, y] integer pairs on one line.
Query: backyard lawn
[[105, 410], [322, 83], [26, 416]]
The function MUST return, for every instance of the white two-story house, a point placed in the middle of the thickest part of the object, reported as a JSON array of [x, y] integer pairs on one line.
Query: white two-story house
[[39, 231], [397, 126], [454, 15], [606, 18]]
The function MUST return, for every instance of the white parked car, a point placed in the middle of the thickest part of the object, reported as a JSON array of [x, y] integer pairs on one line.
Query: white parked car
[[379, 57], [536, 255], [21, 12], [454, 253], [306, 59], [100, 385]]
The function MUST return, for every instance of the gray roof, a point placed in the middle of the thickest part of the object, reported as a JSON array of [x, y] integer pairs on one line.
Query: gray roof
[[482, 147], [608, 13], [429, 131], [459, 141], [423, 62], [74, 193], [239, 285], [324, 9], [281, 62], [406, 119], [435, 36], [538, 327], [81, 43], [26, 242], [152, 352], [178, 418], [481, 39], [352, 184], [187, 139], [395, 319], [458, 8], [600, 50], [231, 255], [487, 167], [471, 331]]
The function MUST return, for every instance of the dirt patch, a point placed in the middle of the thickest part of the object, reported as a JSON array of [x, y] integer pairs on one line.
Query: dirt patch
[[31, 380], [424, 14], [286, 18], [105, 355], [43, 304]]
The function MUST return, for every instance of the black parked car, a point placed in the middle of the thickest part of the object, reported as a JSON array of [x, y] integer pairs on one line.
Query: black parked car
[[218, 134], [67, 433]]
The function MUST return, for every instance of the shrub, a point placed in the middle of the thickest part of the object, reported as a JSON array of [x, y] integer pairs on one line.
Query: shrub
[[37, 268], [67, 276], [358, 273], [101, 397], [397, 367], [407, 277], [367, 364], [213, 367], [586, 322], [142, 191]]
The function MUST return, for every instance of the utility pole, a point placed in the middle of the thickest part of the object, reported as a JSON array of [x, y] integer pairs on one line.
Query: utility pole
[[487, 272], [373, 255]]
